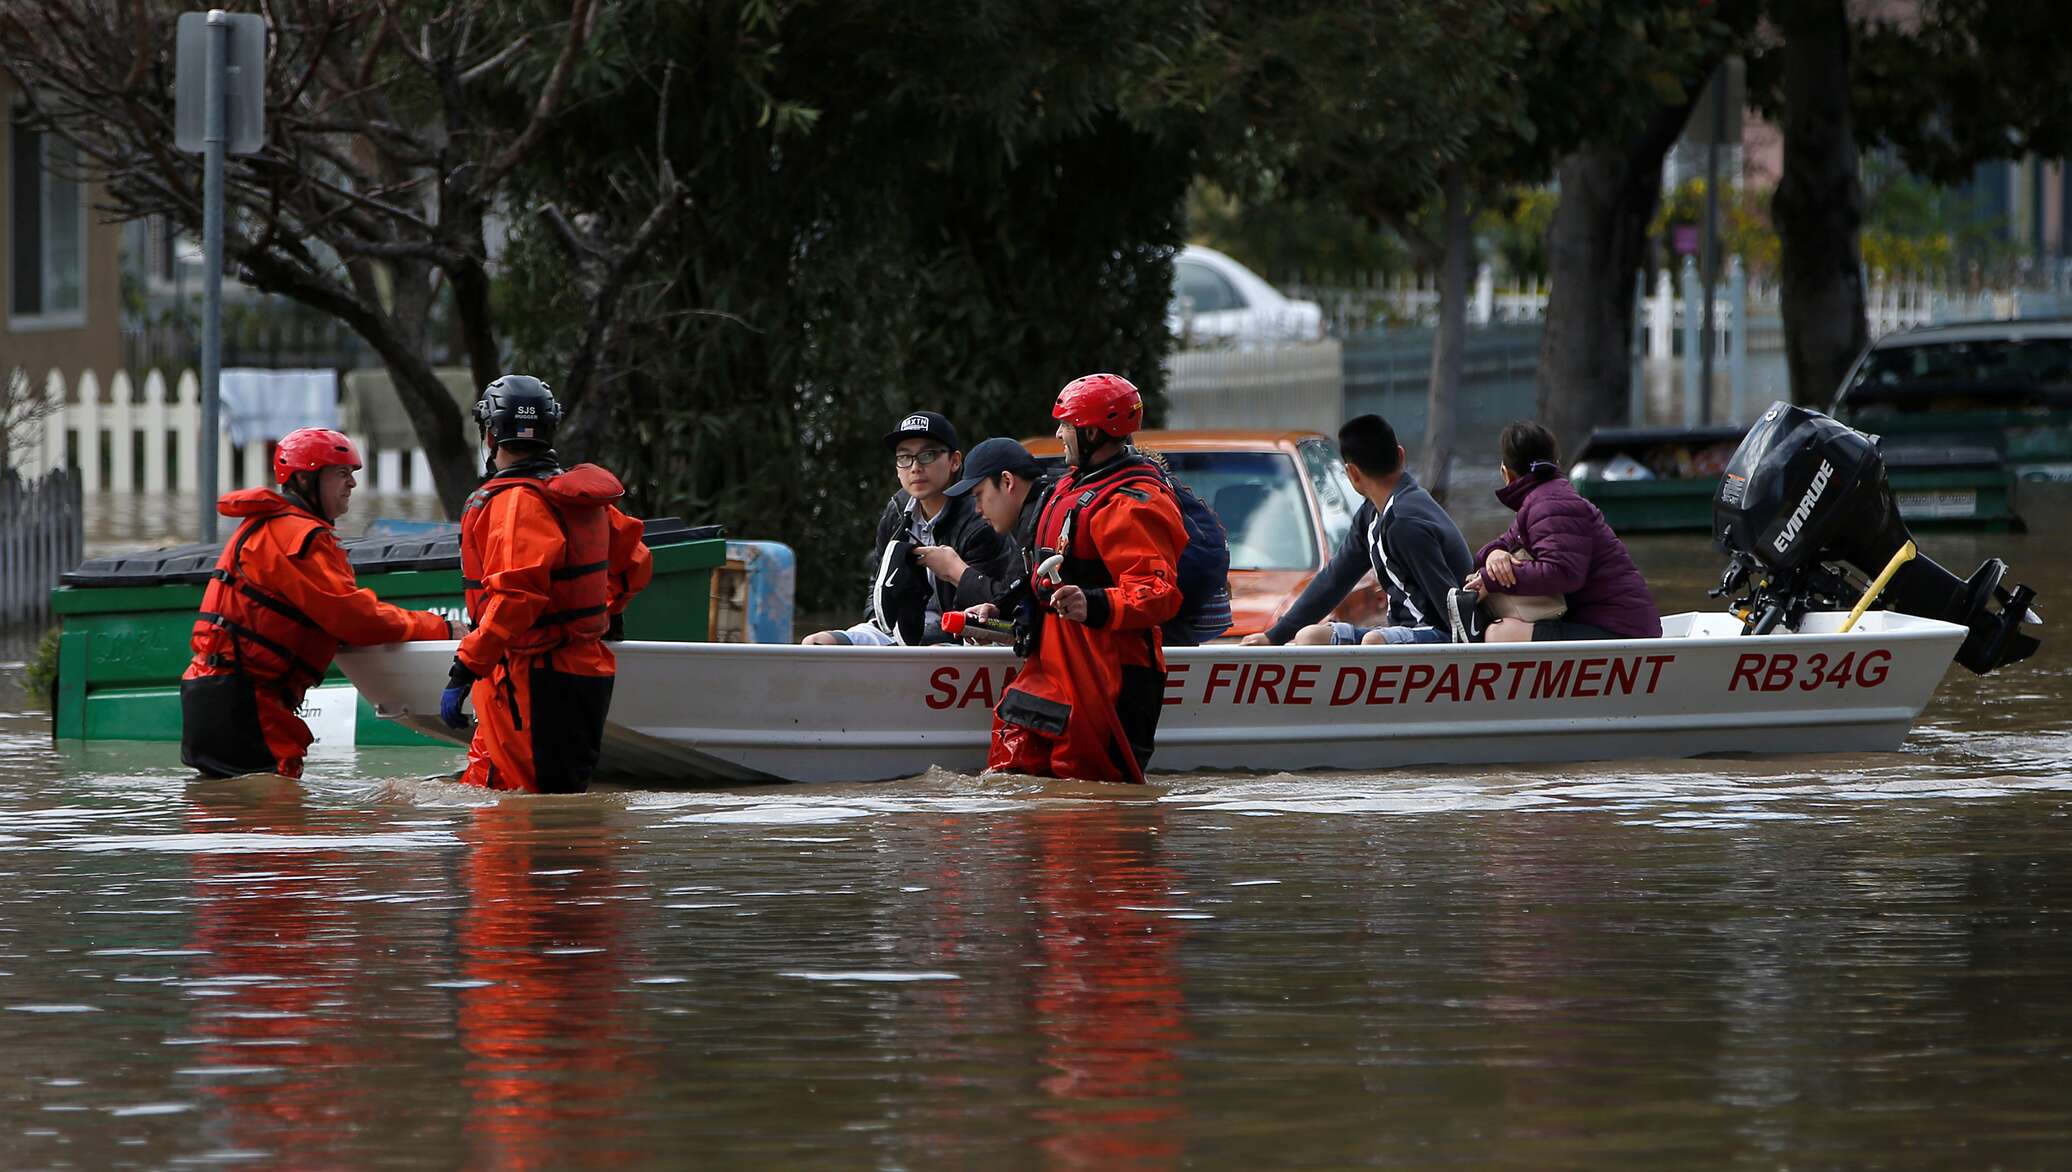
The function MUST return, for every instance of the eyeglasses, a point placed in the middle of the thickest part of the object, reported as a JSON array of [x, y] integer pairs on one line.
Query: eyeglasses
[[922, 458]]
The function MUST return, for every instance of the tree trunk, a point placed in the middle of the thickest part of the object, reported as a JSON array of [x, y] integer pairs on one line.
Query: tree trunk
[[1819, 203], [1456, 266], [1595, 246]]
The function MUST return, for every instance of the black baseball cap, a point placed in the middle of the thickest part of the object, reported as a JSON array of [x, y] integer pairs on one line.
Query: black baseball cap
[[992, 457], [923, 423]]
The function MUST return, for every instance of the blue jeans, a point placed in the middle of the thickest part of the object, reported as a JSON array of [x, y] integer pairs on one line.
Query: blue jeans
[[1346, 634]]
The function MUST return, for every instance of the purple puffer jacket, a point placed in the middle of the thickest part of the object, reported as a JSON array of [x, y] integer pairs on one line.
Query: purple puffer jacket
[[1574, 553]]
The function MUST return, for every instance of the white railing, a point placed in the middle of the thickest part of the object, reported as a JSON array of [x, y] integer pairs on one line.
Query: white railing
[[125, 436], [1891, 303]]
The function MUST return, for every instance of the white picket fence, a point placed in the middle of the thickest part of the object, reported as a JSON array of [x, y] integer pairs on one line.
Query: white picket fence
[[1891, 303], [128, 437]]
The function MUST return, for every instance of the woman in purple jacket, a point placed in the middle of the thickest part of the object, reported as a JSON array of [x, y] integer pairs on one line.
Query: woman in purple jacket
[[1573, 553]]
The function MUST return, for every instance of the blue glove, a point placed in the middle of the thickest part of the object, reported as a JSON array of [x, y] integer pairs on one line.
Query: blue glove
[[458, 683]]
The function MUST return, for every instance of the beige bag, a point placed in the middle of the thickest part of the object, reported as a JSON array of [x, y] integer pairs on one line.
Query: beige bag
[[1531, 608]]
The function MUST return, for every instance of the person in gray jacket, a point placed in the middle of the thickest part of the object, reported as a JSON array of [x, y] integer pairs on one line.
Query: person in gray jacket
[[1401, 533]]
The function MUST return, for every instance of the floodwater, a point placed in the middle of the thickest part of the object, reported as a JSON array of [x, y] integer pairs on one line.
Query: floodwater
[[1751, 962]]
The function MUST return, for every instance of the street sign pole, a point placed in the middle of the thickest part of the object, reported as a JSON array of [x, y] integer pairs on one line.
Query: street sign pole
[[213, 139]]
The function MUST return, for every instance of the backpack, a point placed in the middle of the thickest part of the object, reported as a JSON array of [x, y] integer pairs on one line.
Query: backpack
[[1204, 573]]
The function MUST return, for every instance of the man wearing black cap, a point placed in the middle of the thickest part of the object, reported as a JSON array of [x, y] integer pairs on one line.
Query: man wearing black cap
[[1007, 485], [922, 515]]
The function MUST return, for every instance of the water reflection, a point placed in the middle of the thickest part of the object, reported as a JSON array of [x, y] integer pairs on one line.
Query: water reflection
[[1106, 996], [541, 954], [271, 979]]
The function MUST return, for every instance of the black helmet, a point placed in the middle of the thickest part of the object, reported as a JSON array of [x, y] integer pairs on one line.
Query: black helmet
[[518, 407]]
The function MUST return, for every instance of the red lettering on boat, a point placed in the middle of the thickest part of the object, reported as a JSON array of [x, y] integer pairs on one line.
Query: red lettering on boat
[[1267, 681], [1658, 662], [981, 689], [1518, 669], [1300, 681], [1744, 669], [1864, 677], [1588, 677], [1341, 695], [1550, 682], [1449, 684], [942, 687], [1621, 676], [1780, 673], [1384, 676], [1484, 676], [1418, 675], [1176, 683]]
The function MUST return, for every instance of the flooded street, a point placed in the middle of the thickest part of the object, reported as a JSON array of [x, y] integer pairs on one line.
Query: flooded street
[[1835, 960]]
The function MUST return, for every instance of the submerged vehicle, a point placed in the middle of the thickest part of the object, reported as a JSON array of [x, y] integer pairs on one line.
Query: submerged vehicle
[[2004, 387], [1837, 640], [1663, 479]]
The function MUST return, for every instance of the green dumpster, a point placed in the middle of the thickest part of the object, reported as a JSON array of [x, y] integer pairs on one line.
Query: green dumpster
[[124, 623]]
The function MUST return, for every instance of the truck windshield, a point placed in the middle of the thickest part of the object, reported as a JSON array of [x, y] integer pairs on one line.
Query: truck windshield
[[1258, 496], [1951, 375]]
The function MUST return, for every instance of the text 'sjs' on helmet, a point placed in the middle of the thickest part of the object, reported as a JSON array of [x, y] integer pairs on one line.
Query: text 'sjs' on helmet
[[1101, 402], [311, 449], [518, 407]]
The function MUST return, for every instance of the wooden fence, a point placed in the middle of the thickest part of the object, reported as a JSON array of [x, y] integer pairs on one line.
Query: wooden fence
[[41, 536]]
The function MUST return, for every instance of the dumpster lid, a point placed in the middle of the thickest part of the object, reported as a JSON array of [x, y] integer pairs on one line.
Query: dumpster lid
[[436, 548]]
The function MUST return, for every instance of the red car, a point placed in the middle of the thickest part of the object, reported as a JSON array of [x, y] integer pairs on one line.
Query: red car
[[1285, 505]]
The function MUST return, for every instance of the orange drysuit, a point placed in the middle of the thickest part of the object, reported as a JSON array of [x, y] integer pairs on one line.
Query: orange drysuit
[[281, 600], [1087, 703], [547, 561]]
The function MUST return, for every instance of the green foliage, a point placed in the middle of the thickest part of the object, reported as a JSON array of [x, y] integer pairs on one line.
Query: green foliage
[[39, 676], [1365, 105], [889, 209], [1965, 81], [1282, 239], [1516, 229], [1912, 226], [1745, 227]]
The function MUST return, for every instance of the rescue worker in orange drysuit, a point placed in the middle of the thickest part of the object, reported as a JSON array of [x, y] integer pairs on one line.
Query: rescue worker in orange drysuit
[[549, 566], [280, 601], [1087, 701]]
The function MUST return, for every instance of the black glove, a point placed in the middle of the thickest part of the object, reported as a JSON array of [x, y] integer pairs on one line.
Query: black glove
[[458, 681], [615, 630]]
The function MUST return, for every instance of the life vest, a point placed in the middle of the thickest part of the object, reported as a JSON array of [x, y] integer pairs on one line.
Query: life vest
[[1059, 528], [578, 591], [251, 630]]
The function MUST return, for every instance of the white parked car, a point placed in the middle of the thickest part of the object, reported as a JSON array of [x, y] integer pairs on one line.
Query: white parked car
[[1216, 299]]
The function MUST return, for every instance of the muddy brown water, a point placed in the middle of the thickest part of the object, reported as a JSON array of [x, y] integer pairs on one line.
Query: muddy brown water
[[1750, 961]]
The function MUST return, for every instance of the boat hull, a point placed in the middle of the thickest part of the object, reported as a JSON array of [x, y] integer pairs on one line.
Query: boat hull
[[690, 713]]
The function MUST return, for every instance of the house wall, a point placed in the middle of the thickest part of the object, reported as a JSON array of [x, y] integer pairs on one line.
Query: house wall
[[96, 344]]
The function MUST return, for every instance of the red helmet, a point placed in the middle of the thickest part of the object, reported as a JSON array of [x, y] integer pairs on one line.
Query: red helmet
[[1108, 402], [307, 449]]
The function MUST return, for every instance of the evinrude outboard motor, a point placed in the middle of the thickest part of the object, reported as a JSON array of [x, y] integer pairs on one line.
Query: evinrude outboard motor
[[1804, 502]]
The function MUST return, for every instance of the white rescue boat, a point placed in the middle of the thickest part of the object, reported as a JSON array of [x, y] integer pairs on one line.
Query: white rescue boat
[[703, 713]]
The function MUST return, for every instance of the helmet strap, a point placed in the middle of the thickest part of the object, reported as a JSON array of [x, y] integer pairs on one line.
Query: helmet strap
[[304, 493], [1090, 440]]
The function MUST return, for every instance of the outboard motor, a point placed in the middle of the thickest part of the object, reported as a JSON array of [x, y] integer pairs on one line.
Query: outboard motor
[[1804, 502]]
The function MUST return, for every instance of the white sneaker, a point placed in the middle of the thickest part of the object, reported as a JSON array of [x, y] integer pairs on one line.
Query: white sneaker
[[1463, 617]]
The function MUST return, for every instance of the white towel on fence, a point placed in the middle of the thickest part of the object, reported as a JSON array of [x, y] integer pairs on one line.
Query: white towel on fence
[[268, 404]]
